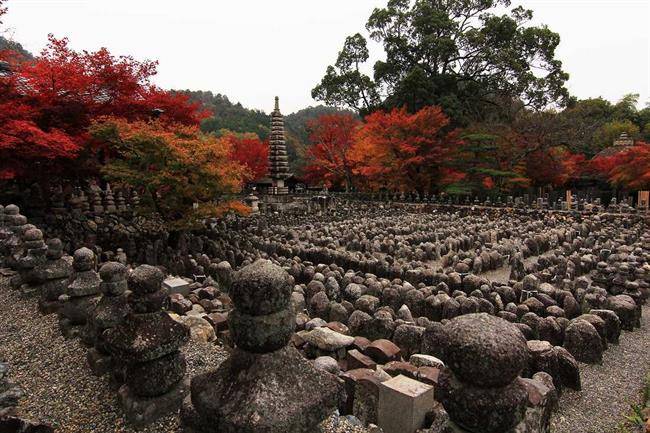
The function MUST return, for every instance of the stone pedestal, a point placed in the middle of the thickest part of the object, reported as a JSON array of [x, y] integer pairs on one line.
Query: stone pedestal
[[140, 410], [404, 404]]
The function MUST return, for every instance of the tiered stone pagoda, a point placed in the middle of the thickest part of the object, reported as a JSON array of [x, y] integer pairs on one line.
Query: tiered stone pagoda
[[278, 160], [265, 386]]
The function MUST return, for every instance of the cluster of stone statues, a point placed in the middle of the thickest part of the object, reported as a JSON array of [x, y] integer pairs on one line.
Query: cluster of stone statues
[[488, 306]]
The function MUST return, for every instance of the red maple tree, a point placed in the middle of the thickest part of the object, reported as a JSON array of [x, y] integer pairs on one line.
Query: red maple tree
[[328, 157], [629, 168], [250, 152], [407, 152], [46, 106]]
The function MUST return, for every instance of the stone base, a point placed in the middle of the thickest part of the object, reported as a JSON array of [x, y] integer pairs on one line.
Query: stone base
[[15, 282], [7, 272], [16, 424], [191, 420], [99, 363], [48, 307], [29, 291], [69, 330], [140, 411], [275, 392], [450, 427], [542, 402]]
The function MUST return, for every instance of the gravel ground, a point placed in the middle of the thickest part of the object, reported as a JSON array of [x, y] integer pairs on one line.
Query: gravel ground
[[60, 388], [608, 389]]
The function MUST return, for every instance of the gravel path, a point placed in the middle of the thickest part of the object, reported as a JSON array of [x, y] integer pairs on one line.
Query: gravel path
[[60, 388], [608, 389]]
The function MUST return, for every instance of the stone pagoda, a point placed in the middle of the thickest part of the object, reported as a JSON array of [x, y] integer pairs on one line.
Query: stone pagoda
[[278, 170]]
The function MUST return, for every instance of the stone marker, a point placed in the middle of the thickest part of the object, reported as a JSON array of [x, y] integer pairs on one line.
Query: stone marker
[[177, 285], [266, 386], [403, 404], [109, 313], [479, 389], [56, 272]]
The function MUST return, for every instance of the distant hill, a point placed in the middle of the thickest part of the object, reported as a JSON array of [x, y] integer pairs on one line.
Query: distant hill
[[235, 117], [297, 122], [6, 44]]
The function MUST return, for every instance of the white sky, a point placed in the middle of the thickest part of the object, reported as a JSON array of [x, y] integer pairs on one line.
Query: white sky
[[252, 50]]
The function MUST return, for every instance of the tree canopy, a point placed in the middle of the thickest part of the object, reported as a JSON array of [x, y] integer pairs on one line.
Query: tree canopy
[[173, 164], [459, 55]]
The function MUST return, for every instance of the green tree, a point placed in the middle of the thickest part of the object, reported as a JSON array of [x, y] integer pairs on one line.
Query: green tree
[[610, 131], [456, 54], [581, 120]]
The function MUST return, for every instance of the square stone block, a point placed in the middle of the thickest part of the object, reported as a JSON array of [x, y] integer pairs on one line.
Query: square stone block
[[177, 285], [403, 404]]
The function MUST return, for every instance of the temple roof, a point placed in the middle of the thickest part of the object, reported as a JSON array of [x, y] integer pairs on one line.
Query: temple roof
[[622, 143]]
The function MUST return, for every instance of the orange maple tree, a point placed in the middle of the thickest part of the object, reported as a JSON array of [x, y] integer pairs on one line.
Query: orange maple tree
[[173, 165], [328, 157], [405, 152]]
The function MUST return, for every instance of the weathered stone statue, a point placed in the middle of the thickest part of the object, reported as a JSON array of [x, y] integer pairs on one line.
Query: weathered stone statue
[[16, 223], [110, 312], [55, 272], [109, 202], [266, 386], [480, 388], [81, 296], [30, 280], [147, 343]]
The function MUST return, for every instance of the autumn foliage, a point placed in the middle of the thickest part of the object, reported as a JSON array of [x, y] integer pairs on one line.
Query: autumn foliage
[[173, 165], [629, 168], [405, 152], [328, 159], [47, 105], [250, 152]]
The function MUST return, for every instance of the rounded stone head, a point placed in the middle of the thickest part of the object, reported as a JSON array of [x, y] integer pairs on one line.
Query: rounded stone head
[[54, 248], [112, 272], [261, 288], [145, 279], [12, 209], [483, 350], [33, 235], [18, 220], [26, 227], [83, 259]]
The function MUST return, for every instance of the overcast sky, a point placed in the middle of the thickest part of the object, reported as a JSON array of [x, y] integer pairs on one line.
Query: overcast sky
[[252, 50]]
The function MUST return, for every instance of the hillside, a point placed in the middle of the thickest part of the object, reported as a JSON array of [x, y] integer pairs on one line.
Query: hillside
[[231, 116], [7, 44]]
